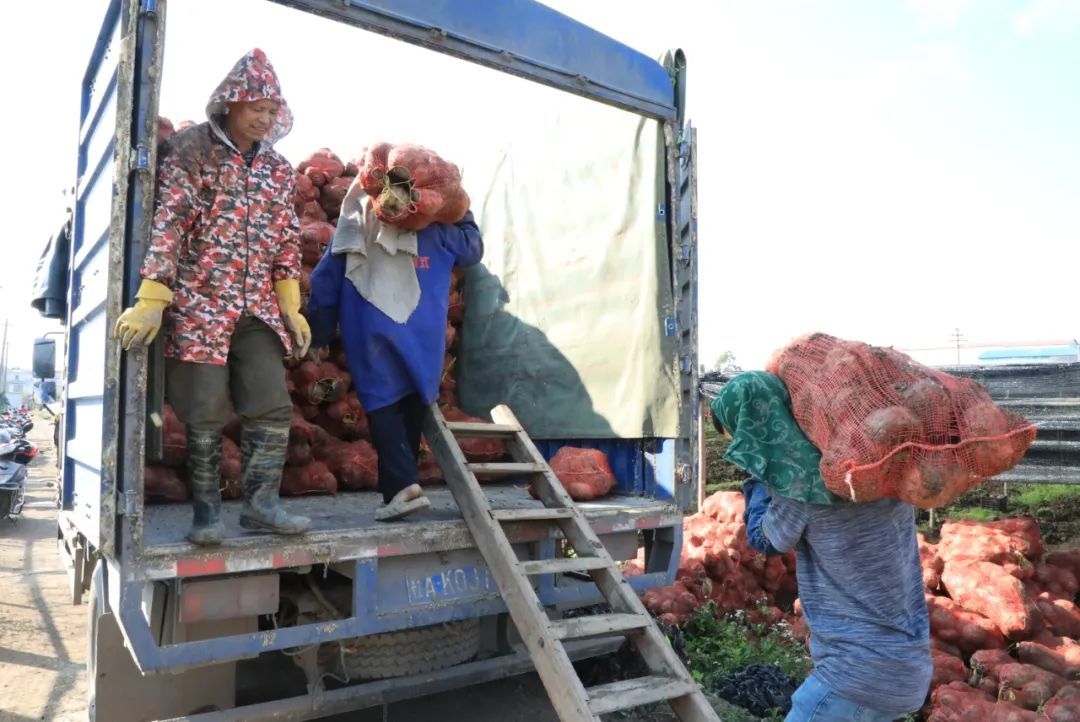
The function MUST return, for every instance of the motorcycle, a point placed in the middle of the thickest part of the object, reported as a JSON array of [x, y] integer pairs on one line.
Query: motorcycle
[[15, 454]]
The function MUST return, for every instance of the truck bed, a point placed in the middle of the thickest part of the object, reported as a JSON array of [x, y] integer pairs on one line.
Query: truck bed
[[344, 526]]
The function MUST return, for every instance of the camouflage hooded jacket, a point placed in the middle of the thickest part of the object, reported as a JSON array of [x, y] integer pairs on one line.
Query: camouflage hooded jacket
[[223, 232]]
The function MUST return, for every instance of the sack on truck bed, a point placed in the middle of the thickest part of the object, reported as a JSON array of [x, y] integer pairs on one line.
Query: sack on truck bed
[[890, 427]]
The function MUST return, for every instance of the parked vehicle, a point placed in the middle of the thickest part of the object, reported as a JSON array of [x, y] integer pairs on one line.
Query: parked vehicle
[[170, 623], [16, 452]]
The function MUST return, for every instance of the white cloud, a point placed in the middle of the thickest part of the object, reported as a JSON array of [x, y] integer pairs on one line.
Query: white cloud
[[1042, 15], [937, 13]]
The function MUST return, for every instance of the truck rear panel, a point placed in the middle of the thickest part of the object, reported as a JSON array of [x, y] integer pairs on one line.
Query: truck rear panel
[[408, 574]]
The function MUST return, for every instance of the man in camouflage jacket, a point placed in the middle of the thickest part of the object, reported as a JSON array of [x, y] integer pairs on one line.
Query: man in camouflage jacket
[[222, 272]]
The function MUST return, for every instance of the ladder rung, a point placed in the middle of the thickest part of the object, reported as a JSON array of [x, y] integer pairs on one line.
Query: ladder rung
[[563, 565], [475, 430], [599, 625], [637, 692], [538, 514], [488, 471]]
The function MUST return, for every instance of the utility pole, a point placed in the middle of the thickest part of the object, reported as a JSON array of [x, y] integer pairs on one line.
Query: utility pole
[[957, 337]]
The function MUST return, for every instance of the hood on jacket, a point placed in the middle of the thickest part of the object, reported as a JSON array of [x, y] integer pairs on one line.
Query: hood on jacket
[[251, 79]]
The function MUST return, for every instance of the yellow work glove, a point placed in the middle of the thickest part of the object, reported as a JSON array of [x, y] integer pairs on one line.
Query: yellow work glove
[[142, 321], [288, 298]]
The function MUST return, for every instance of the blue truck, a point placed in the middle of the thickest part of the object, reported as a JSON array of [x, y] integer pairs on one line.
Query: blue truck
[[369, 613]]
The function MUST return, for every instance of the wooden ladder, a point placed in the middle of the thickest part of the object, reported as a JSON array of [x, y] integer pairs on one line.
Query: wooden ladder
[[668, 679]]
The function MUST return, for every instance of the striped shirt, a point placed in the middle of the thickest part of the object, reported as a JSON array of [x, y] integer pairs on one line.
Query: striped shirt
[[861, 586]]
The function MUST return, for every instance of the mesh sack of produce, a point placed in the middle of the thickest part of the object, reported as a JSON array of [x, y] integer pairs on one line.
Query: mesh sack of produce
[[890, 427], [411, 187], [584, 473], [476, 450], [163, 483]]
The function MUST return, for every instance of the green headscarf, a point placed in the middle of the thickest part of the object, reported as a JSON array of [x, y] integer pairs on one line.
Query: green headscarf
[[755, 408]]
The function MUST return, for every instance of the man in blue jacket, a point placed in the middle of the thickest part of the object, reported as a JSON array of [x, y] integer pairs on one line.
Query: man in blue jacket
[[389, 292]]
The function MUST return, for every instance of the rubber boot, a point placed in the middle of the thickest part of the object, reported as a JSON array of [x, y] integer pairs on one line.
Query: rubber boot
[[204, 461], [264, 447]]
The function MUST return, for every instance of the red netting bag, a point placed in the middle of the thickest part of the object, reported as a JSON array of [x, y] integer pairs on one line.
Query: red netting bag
[[890, 427], [411, 187], [584, 473]]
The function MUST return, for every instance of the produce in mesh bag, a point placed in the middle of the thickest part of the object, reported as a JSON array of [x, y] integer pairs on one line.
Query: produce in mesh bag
[[957, 702], [1061, 615], [317, 383], [314, 239], [411, 187], [232, 479], [946, 648], [725, 506], [163, 483], [1001, 542], [1028, 686], [932, 564], [456, 310], [673, 604], [321, 166], [1058, 655], [311, 212], [476, 450], [890, 427], [986, 667], [312, 478], [955, 625], [947, 668], [1063, 706], [989, 590], [584, 473], [1065, 560], [355, 465], [345, 419], [332, 194], [173, 439], [1056, 582], [305, 189]]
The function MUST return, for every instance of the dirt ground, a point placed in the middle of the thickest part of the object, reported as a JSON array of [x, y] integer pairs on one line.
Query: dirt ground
[[43, 637]]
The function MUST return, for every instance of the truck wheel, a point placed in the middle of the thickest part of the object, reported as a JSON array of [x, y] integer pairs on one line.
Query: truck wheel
[[118, 691], [398, 654]]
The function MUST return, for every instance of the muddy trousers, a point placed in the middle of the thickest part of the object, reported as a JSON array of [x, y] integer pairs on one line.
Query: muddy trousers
[[395, 434], [204, 397]]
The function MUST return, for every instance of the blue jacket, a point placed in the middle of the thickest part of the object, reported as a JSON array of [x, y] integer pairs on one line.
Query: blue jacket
[[389, 361]]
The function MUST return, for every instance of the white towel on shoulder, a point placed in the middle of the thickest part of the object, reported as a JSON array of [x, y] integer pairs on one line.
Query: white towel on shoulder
[[379, 259]]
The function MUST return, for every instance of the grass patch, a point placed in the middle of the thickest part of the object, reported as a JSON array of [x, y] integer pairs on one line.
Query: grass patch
[[716, 648], [719, 474], [1033, 495], [974, 514]]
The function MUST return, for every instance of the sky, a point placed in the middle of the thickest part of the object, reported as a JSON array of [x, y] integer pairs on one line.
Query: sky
[[885, 171]]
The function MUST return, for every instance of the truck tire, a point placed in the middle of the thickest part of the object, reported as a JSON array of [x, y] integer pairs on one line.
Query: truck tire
[[399, 654]]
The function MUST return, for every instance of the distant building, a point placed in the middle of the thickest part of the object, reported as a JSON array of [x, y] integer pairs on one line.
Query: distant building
[[20, 386], [999, 354], [1062, 354]]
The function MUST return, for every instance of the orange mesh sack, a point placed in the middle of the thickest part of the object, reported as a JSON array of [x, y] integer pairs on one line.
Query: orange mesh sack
[[411, 187], [890, 427]]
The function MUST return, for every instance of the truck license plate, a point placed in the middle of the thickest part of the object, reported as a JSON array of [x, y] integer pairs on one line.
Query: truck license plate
[[450, 583]]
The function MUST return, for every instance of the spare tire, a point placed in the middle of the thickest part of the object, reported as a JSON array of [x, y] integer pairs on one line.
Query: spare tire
[[399, 654]]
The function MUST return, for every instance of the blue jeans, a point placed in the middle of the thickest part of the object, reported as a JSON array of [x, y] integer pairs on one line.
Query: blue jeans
[[813, 701]]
